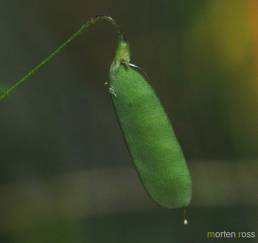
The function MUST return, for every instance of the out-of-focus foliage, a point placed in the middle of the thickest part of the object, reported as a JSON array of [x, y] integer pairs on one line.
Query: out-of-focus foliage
[[201, 57]]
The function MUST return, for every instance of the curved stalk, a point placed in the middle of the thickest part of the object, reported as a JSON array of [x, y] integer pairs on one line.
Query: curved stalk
[[54, 53]]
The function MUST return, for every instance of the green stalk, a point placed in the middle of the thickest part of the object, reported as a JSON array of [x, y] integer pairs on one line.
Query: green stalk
[[54, 53]]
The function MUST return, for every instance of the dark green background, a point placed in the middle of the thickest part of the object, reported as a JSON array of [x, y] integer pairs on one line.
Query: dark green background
[[200, 58]]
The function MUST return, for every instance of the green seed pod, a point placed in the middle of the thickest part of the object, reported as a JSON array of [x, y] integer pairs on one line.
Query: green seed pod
[[149, 135], [147, 131]]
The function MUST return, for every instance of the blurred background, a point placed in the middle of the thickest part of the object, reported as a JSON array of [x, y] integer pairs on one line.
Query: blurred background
[[65, 173]]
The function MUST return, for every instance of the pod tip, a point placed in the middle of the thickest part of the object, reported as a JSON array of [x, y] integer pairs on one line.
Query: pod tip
[[184, 217]]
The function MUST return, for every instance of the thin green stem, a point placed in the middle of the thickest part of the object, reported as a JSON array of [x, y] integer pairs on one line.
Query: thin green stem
[[53, 54]]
